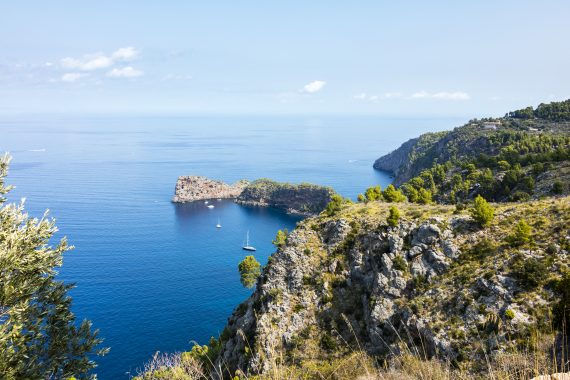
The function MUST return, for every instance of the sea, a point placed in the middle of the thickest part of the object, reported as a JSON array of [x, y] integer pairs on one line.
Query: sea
[[154, 276]]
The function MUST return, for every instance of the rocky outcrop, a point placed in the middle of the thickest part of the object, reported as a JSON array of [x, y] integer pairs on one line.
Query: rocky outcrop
[[354, 281], [195, 188], [302, 199]]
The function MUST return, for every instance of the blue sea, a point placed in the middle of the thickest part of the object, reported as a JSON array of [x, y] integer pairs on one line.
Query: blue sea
[[157, 276]]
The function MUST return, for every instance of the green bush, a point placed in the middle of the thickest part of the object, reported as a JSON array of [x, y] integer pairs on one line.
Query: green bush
[[482, 212], [521, 236], [281, 238], [531, 273], [335, 205], [373, 194], [391, 194], [561, 310], [558, 187], [400, 263], [509, 314], [393, 217], [249, 271]]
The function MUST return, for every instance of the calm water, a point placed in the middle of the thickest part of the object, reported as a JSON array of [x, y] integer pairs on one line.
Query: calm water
[[154, 276]]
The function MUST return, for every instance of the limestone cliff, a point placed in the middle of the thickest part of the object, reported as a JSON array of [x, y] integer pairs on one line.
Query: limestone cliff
[[435, 281], [195, 188], [303, 199]]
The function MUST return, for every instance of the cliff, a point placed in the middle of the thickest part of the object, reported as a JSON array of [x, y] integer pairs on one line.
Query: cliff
[[303, 199], [195, 188], [435, 281]]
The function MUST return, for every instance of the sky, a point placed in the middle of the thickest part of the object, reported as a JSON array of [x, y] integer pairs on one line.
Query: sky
[[398, 58]]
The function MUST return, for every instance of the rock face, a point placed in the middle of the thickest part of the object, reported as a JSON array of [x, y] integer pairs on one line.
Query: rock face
[[356, 281], [303, 199], [195, 188]]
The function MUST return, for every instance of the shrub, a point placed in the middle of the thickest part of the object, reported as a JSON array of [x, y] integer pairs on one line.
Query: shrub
[[531, 273], [335, 205], [482, 212], [558, 187], [361, 198], [249, 271], [281, 238], [391, 194], [424, 196], [509, 314], [373, 194], [561, 310], [521, 235], [400, 263], [484, 248], [393, 217]]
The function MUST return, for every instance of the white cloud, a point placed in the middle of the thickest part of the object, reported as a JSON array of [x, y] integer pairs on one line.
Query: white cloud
[[72, 77], [98, 61], [125, 72], [361, 96], [314, 86], [88, 63], [443, 95], [375, 98], [125, 54]]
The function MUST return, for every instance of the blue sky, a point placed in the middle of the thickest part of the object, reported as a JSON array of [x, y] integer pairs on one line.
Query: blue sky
[[468, 58]]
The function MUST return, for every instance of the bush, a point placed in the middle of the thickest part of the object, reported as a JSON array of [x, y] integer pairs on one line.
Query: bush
[[391, 194], [561, 310], [482, 212], [531, 273], [281, 238], [334, 205], [394, 217], [361, 198], [400, 263], [509, 314], [424, 196], [249, 271], [483, 248], [558, 187], [521, 236], [373, 194]]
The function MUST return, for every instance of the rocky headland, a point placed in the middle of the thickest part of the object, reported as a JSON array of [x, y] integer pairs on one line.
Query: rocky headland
[[196, 188], [302, 199]]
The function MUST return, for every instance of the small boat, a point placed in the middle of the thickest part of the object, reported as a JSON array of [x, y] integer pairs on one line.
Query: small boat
[[210, 206], [219, 199], [218, 225], [246, 246]]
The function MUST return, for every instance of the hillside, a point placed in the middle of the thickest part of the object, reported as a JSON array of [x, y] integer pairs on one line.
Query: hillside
[[350, 283], [505, 159]]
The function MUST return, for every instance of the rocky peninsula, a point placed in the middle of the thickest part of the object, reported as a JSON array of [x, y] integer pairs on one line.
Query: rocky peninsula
[[302, 199]]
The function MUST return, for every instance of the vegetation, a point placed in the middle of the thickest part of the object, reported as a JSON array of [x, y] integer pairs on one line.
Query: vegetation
[[336, 204], [482, 212], [555, 111], [393, 217], [281, 238], [522, 234], [39, 338], [391, 194], [249, 270]]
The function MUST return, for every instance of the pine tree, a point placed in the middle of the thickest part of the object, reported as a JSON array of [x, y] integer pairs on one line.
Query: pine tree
[[482, 212], [39, 337], [249, 271]]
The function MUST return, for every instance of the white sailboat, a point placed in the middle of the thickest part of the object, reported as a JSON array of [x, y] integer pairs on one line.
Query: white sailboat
[[246, 245], [210, 206], [218, 225]]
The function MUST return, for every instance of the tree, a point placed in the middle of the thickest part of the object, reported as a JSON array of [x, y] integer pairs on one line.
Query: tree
[[361, 198], [334, 205], [393, 217], [424, 196], [373, 194], [249, 271], [482, 212], [39, 338], [281, 238], [391, 194], [521, 235]]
